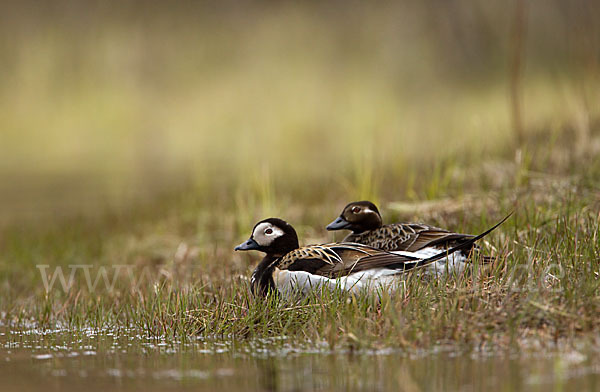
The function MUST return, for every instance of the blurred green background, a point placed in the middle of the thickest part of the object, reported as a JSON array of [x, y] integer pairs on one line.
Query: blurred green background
[[107, 105]]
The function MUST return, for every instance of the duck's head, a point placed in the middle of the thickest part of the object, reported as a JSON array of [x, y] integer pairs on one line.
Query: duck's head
[[357, 216], [272, 236]]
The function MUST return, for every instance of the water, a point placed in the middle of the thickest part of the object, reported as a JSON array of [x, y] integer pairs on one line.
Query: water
[[121, 360]]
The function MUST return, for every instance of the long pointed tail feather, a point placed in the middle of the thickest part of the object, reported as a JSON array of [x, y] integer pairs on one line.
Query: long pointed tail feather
[[465, 245]]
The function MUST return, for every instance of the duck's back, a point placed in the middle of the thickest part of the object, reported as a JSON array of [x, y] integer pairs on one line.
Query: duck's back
[[409, 237]]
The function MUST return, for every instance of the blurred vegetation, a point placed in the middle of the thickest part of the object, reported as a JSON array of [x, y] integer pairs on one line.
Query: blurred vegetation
[[259, 105]]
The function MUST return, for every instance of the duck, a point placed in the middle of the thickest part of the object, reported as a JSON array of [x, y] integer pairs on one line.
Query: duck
[[288, 269], [364, 221]]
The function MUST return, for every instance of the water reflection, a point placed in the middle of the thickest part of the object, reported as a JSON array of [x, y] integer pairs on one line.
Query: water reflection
[[268, 375], [100, 360]]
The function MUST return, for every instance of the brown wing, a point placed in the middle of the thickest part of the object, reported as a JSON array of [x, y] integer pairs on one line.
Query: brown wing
[[408, 237], [341, 259], [428, 236]]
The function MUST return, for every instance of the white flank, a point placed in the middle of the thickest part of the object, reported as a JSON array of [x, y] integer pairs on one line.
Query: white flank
[[292, 282], [454, 263]]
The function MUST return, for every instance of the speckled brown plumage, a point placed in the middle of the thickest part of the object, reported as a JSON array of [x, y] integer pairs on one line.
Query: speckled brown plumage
[[364, 220], [409, 237]]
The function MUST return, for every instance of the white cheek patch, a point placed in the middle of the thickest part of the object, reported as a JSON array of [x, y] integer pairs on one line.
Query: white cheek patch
[[263, 239], [368, 210]]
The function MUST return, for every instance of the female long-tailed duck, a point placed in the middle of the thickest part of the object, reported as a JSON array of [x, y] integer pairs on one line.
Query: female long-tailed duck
[[417, 239]]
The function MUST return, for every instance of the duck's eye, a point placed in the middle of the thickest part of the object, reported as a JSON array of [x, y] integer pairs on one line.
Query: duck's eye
[[269, 231], [355, 210]]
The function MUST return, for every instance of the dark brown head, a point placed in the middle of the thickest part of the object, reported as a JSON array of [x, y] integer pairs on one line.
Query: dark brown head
[[358, 216], [273, 236]]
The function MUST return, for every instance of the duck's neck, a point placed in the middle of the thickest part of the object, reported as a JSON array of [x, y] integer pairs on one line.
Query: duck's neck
[[262, 277], [373, 223]]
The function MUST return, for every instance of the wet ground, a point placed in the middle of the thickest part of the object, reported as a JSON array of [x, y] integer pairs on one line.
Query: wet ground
[[119, 360]]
